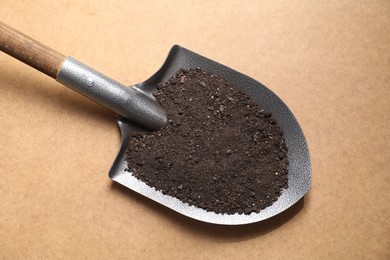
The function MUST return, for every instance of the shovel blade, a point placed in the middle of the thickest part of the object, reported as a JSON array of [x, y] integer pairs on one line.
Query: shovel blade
[[299, 169]]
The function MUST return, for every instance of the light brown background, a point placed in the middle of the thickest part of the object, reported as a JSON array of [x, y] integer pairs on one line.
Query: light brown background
[[328, 60]]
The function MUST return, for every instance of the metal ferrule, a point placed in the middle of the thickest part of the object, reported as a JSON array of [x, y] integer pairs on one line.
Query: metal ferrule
[[125, 101]]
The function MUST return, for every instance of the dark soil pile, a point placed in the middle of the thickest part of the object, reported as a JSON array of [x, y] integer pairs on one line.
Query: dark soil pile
[[220, 151]]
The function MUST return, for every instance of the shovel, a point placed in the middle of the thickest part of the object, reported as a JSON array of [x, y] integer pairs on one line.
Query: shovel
[[138, 113]]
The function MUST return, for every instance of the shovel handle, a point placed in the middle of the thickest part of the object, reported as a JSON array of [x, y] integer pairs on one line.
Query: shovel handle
[[127, 102], [29, 51]]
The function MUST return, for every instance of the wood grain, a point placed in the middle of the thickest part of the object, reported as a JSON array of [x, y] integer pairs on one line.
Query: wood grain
[[29, 51]]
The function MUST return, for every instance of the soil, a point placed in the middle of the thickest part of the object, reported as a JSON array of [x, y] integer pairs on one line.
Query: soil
[[220, 151]]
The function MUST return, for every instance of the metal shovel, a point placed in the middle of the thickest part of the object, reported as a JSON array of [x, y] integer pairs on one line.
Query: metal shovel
[[136, 106]]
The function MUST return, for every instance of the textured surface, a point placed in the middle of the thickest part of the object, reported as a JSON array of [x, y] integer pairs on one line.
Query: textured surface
[[328, 60], [219, 151], [299, 168]]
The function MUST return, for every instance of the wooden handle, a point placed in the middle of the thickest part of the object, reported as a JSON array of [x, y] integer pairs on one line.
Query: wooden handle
[[29, 51]]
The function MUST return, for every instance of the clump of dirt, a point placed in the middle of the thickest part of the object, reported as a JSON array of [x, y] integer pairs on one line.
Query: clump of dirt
[[220, 151]]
